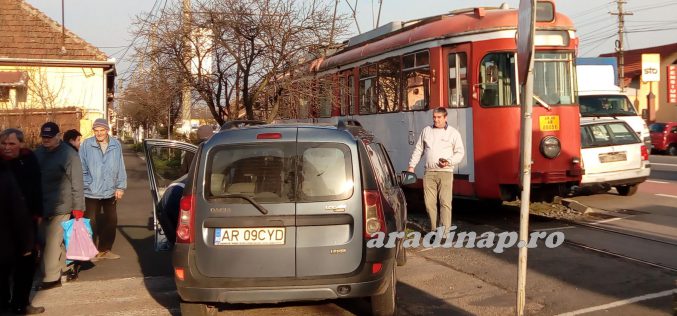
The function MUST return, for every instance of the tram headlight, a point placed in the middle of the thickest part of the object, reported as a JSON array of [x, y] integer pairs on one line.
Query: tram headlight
[[550, 147]]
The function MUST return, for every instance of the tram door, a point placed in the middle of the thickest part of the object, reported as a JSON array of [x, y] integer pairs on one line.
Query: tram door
[[456, 94]]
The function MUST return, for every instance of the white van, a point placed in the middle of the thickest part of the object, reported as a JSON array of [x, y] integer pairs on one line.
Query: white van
[[613, 155], [610, 104], [600, 98]]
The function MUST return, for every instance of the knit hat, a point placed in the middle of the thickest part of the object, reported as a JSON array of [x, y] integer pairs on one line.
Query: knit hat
[[100, 122], [49, 129]]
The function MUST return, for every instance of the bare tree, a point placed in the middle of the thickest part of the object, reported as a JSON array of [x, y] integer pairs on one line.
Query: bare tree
[[152, 98], [240, 49]]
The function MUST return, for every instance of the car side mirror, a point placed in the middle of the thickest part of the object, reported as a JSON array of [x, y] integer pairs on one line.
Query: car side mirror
[[407, 178]]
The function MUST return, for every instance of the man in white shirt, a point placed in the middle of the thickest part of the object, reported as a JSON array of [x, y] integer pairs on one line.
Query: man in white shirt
[[443, 147]]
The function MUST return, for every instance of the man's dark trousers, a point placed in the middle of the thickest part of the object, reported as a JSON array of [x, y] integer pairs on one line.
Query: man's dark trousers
[[102, 214]]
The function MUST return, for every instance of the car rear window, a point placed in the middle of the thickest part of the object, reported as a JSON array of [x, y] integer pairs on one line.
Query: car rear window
[[607, 134], [280, 172], [657, 127]]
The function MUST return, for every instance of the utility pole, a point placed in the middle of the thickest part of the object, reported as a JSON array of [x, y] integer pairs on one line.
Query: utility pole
[[619, 42], [185, 89]]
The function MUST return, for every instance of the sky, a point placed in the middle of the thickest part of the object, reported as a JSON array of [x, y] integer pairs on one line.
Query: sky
[[107, 23]]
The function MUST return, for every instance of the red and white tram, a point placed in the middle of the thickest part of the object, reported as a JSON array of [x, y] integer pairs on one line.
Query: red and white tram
[[391, 78]]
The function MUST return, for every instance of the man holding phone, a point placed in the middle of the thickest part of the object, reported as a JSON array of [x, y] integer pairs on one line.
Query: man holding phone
[[443, 147]]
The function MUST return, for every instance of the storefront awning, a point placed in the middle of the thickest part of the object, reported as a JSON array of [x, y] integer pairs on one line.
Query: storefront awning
[[13, 78]]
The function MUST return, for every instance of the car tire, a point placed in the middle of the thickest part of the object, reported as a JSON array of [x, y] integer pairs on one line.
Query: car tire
[[401, 254], [672, 150], [627, 190], [384, 304], [197, 309]]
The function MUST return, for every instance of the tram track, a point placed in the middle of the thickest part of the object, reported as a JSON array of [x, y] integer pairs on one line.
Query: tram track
[[605, 230], [624, 245]]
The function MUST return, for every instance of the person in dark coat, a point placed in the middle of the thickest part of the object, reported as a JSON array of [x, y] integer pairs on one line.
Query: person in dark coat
[[18, 238], [24, 166], [72, 138]]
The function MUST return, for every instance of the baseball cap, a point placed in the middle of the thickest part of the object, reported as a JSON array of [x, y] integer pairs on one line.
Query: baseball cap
[[49, 129]]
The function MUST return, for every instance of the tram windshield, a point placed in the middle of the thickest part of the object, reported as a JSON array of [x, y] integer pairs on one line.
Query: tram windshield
[[553, 79]]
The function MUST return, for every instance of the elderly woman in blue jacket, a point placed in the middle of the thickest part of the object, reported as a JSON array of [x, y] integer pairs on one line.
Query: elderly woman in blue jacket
[[105, 180]]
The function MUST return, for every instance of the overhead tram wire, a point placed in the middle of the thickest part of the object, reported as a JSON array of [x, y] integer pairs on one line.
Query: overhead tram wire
[[653, 6], [601, 41], [136, 37], [588, 11]]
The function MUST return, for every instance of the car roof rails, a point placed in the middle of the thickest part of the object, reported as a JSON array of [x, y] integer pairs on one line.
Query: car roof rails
[[343, 124], [240, 124]]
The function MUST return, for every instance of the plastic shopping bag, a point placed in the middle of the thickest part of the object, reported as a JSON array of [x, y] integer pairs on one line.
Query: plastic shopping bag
[[78, 239]]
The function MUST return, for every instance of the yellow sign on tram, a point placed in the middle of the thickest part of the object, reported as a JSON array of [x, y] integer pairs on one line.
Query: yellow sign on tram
[[549, 123]]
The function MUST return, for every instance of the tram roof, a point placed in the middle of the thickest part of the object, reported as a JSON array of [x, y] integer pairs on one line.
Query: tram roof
[[395, 35]]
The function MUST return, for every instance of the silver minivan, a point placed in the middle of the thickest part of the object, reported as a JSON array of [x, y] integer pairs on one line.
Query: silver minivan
[[274, 213]]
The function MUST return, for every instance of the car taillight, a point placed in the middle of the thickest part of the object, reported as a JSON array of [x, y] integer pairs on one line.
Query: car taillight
[[269, 136], [645, 153], [184, 229], [374, 219]]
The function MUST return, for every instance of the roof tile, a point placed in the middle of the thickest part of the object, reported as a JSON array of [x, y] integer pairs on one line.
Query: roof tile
[[26, 32]]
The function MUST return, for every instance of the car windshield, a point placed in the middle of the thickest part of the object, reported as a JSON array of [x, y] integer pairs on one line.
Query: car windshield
[[607, 134], [657, 127], [606, 105], [280, 173]]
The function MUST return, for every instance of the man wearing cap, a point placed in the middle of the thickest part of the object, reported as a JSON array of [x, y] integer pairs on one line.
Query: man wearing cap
[[105, 180], [62, 192]]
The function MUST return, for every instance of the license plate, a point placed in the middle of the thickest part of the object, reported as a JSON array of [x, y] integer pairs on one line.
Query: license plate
[[249, 236], [612, 157], [549, 123]]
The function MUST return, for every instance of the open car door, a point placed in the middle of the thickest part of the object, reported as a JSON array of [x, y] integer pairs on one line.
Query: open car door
[[168, 162]]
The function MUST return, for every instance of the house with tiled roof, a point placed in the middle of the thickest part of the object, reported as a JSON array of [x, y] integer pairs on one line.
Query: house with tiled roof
[[49, 73]]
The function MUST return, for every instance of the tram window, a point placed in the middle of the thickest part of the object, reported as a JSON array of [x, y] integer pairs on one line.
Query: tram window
[[458, 80], [497, 80], [303, 109], [553, 81], [416, 81], [368, 96], [351, 93], [388, 85], [325, 97], [347, 95]]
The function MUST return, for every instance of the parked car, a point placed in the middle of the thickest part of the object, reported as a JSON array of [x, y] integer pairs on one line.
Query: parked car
[[274, 213], [613, 155], [664, 137]]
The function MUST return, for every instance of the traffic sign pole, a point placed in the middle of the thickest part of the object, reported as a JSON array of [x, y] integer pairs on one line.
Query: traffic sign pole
[[525, 63]]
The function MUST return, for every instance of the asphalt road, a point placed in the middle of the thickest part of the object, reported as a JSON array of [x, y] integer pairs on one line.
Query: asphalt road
[[440, 281]]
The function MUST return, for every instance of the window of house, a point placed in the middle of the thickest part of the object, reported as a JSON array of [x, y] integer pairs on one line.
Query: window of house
[[21, 94], [368, 97], [458, 80], [389, 85], [416, 81], [4, 94], [498, 86]]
